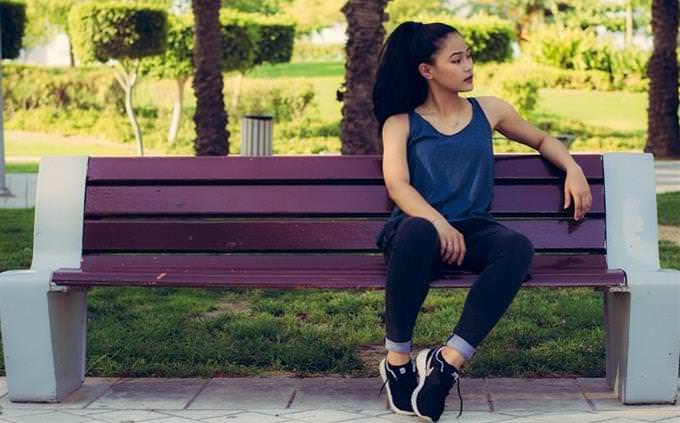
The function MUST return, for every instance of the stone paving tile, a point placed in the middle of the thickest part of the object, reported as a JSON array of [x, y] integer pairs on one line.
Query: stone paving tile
[[475, 417], [352, 394], [150, 393], [474, 393], [9, 414], [644, 413], [245, 393], [3, 387], [536, 394], [89, 411], [89, 391], [561, 417], [391, 417], [604, 399], [170, 419], [53, 417], [373, 420], [323, 416], [200, 414], [119, 416], [248, 417]]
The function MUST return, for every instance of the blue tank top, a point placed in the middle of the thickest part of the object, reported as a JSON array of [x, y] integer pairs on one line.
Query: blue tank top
[[453, 173]]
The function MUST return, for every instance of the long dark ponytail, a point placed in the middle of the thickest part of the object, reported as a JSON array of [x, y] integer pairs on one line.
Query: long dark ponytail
[[399, 87]]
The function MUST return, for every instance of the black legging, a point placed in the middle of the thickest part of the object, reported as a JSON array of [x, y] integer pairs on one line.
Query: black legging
[[412, 253]]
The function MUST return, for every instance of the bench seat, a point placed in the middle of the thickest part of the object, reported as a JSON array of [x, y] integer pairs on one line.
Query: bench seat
[[308, 271]]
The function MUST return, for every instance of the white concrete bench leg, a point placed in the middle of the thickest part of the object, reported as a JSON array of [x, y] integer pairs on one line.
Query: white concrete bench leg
[[44, 326], [643, 318], [44, 334], [642, 326]]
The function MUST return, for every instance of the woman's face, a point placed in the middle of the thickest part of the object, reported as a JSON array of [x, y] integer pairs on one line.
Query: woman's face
[[452, 65]]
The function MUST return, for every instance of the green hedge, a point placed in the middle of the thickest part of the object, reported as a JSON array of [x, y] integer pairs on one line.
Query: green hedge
[[490, 38], [247, 40], [271, 38], [34, 87], [13, 22], [553, 77], [583, 50], [103, 31]]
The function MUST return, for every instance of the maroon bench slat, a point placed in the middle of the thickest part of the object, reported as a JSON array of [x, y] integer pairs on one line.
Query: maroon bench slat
[[302, 234], [321, 168], [294, 262], [601, 278], [308, 271], [304, 200]]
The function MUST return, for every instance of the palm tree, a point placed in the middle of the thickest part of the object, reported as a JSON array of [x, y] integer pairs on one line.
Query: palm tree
[[663, 134], [365, 34], [210, 118]]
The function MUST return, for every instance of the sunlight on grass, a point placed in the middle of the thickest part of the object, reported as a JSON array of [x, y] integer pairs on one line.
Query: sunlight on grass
[[615, 110]]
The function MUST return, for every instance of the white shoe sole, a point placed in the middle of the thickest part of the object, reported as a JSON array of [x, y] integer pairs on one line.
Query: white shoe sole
[[421, 366], [393, 407]]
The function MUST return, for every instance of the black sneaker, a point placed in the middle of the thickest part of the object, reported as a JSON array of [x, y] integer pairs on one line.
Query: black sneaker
[[400, 382], [435, 379]]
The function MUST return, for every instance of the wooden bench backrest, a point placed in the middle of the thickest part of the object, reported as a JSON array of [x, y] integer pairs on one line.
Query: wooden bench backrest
[[304, 204]]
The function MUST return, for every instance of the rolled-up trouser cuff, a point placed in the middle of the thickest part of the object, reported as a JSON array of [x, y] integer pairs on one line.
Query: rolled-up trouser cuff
[[402, 347], [462, 346]]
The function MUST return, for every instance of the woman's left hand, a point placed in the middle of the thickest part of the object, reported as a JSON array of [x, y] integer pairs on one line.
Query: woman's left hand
[[576, 185]]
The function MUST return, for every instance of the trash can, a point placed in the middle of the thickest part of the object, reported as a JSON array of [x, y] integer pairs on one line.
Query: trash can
[[256, 135]]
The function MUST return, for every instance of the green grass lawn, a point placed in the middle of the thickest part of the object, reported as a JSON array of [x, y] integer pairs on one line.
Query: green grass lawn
[[616, 110], [299, 69], [200, 332]]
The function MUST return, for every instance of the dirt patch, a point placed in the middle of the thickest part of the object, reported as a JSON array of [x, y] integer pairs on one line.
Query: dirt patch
[[221, 307], [370, 356], [670, 233]]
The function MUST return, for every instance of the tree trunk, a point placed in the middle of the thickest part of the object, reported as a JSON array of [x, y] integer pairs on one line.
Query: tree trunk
[[210, 118], [663, 135], [71, 56], [629, 23], [127, 80], [237, 90], [365, 37], [177, 111]]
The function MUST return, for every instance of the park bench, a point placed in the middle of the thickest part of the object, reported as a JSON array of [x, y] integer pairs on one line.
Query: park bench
[[311, 221]]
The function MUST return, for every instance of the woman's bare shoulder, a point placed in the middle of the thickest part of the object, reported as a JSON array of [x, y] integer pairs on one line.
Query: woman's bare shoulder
[[396, 125], [489, 105]]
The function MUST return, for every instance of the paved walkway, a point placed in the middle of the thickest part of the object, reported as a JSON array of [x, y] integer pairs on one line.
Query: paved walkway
[[22, 185], [326, 400]]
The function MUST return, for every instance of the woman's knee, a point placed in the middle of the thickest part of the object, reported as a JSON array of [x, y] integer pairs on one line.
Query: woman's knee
[[417, 231], [518, 247]]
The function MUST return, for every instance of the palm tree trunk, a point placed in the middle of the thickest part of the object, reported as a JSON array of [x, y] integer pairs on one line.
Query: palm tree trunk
[[210, 118], [365, 36], [663, 135]]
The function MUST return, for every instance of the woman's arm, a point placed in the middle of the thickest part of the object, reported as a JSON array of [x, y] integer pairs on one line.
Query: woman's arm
[[513, 126], [396, 174]]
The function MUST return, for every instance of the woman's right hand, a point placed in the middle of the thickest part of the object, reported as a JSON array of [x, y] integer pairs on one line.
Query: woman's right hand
[[452, 242]]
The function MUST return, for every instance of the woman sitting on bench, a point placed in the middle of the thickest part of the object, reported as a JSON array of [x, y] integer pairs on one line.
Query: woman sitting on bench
[[438, 166]]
